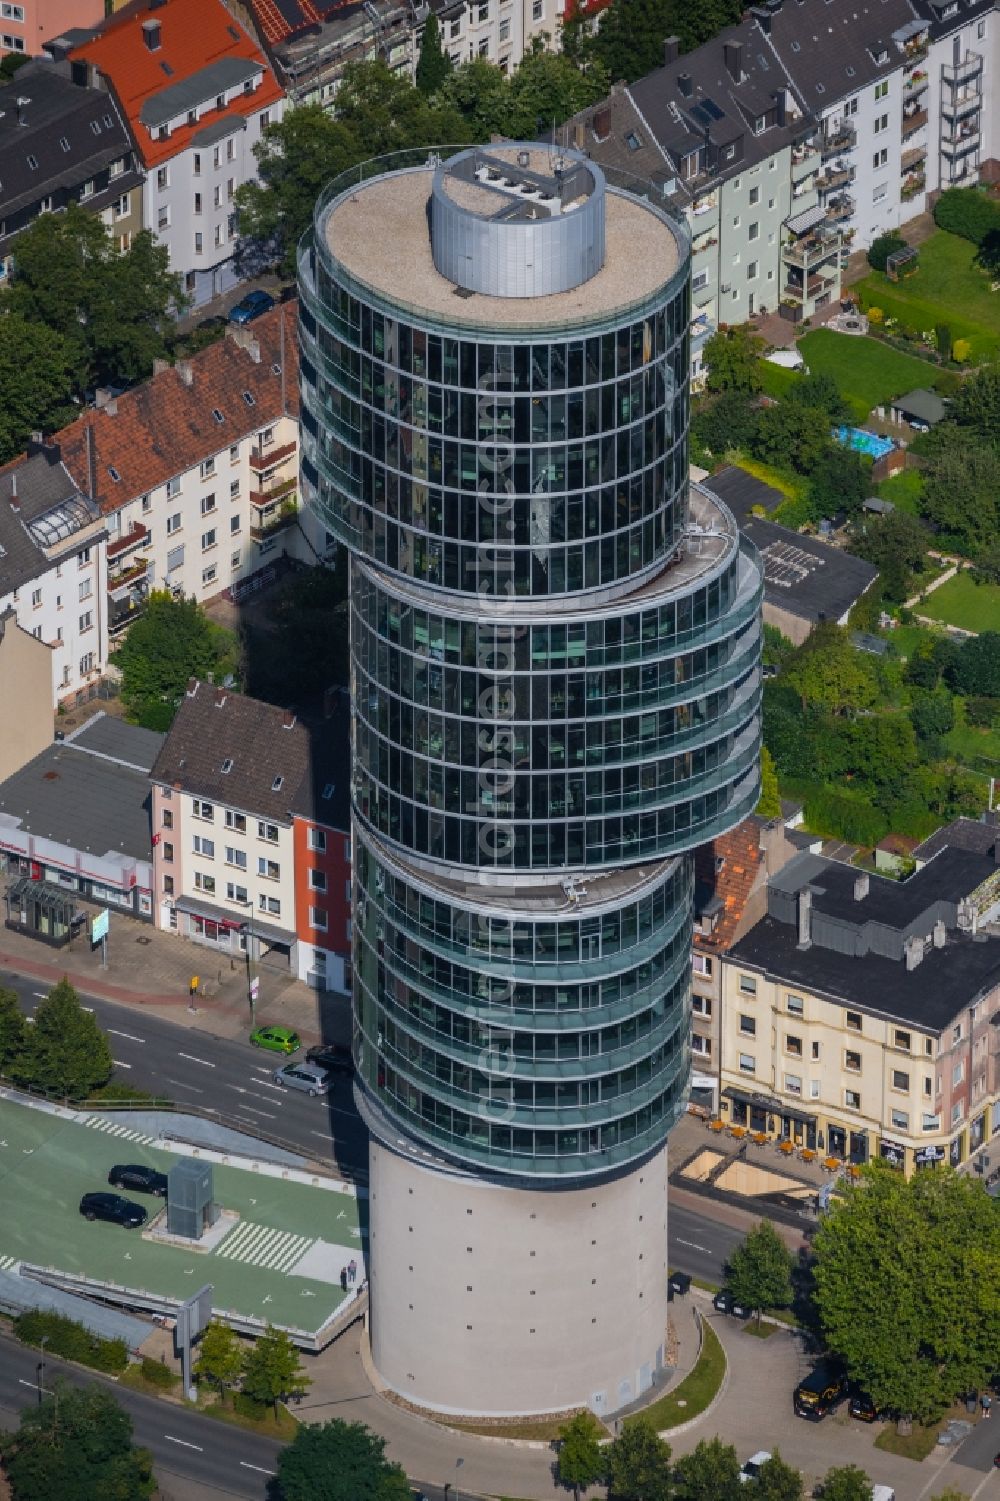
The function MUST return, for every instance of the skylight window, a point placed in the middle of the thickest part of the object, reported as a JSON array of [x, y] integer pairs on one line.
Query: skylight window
[[276, 785], [95, 126], [114, 474], [249, 398], [64, 143], [227, 766], [33, 163], [219, 416]]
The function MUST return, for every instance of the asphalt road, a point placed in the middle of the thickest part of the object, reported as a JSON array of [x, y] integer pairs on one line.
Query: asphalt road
[[979, 1450], [231, 1078], [182, 1442]]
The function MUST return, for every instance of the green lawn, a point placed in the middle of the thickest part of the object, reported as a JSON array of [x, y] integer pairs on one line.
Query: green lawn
[[916, 1445], [904, 490], [777, 380], [695, 1392], [947, 288], [971, 606], [868, 372], [978, 748]]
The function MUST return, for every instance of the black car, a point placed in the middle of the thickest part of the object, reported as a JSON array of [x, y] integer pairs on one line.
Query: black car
[[724, 1302], [333, 1056], [863, 1407], [822, 1390], [114, 1208], [141, 1180]]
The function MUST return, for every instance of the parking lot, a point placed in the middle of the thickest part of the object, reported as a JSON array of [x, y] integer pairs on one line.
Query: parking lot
[[281, 1261]]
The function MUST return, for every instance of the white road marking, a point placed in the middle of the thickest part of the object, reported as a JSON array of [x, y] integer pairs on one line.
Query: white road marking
[[125, 1034], [267, 1114], [119, 1064], [203, 1061], [183, 1442], [179, 1084], [33, 1385], [694, 1246], [268, 1085], [41, 994], [259, 1468]]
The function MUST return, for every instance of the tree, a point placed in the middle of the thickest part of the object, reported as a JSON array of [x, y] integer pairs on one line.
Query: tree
[[711, 1472], [908, 1286], [977, 668], [172, 641], [433, 64], [732, 360], [77, 1445], [777, 1481], [962, 486], [897, 546], [580, 1463], [769, 803], [220, 1358], [846, 1483], [933, 715], [338, 1461], [987, 565], [976, 404], [882, 247], [629, 40], [881, 748], [727, 421], [481, 94], [966, 212], [546, 88], [113, 309], [638, 1464], [36, 380], [12, 1029], [385, 112], [840, 482], [818, 389], [66, 1052], [792, 434], [829, 672], [759, 1272], [10, 63], [271, 1370]]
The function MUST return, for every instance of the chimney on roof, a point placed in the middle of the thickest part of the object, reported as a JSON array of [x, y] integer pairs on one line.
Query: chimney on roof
[[861, 887], [805, 918], [105, 402], [151, 35], [763, 19], [192, 687], [940, 933], [782, 106], [671, 50], [732, 53], [159, 366], [220, 698], [246, 339], [22, 104], [913, 951], [684, 84], [185, 370], [287, 719]]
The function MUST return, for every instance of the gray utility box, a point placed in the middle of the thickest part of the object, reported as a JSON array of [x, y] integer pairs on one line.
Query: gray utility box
[[191, 1208]]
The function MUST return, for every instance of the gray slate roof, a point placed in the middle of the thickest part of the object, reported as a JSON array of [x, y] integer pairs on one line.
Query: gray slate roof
[[962, 833], [36, 485], [178, 98], [125, 744], [926, 406], [829, 48], [742, 491], [83, 800], [807, 577]]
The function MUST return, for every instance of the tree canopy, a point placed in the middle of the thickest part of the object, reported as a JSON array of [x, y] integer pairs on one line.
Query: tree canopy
[[962, 486], [777, 1481], [65, 1051], [637, 1464], [846, 1483], [759, 1272], [13, 1031], [433, 64], [711, 1472], [580, 1463], [897, 545], [908, 1286], [77, 1445], [732, 360], [172, 641], [38, 372], [272, 1372], [769, 803], [629, 41], [831, 673], [339, 1462], [220, 1357]]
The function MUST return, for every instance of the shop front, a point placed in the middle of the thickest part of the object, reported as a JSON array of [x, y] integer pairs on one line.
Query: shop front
[[43, 911], [234, 933], [771, 1115], [929, 1156], [893, 1153]]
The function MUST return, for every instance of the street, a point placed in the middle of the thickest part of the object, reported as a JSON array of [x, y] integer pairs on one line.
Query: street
[[233, 1080], [182, 1442]]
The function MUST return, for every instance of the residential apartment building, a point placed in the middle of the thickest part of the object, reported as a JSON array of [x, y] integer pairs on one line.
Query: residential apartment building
[[322, 844], [197, 92], [25, 680], [224, 786], [62, 144], [858, 1014], [310, 42], [195, 472], [53, 568], [730, 895], [802, 134], [501, 31], [26, 25]]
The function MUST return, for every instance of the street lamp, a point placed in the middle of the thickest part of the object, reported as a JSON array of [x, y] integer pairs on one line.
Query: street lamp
[[253, 981], [40, 1369]]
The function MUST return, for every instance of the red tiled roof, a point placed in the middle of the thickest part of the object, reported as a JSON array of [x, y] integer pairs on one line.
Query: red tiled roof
[[193, 35], [280, 20], [728, 867], [167, 425]]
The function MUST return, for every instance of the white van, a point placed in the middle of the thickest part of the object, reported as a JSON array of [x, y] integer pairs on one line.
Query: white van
[[883, 1493]]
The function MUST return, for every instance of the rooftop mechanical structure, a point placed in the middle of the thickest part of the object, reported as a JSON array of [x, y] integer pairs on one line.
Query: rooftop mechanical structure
[[555, 648]]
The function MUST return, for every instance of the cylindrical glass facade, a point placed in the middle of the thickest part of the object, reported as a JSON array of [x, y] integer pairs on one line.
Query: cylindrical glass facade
[[555, 661]]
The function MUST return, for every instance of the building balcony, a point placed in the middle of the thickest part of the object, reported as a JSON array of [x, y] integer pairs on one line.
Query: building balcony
[[127, 579], [912, 158], [702, 329], [270, 523], [916, 50], [811, 251], [961, 139], [964, 72], [912, 122], [915, 83], [124, 613], [810, 287], [805, 159], [840, 207], [269, 495], [963, 102], [912, 186], [137, 536], [843, 138], [264, 459], [704, 242], [837, 176], [708, 203]]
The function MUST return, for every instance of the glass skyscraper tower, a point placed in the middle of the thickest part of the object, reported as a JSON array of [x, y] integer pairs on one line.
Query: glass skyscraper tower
[[555, 648]]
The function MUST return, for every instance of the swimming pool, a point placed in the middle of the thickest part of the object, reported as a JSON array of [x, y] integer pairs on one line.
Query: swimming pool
[[862, 441]]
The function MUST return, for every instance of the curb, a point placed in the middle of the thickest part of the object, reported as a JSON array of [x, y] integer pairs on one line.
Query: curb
[[669, 1433]]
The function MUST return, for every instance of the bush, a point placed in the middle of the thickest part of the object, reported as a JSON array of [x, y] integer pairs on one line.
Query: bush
[[71, 1340], [942, 339], [831, 813], [156, 1373], [259, 1412], [982, 713], [961, 351], [875, 315], [966, 212], [882, 247]]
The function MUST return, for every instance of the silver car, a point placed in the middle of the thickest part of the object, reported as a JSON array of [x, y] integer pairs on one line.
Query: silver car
[[304, 1076]]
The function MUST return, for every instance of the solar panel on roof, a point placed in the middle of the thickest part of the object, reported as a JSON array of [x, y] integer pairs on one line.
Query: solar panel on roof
[[713, 109]]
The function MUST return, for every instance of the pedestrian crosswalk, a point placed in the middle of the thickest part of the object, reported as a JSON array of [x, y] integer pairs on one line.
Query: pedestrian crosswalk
[[263, 1246], [115, 1128], [8, 1262]]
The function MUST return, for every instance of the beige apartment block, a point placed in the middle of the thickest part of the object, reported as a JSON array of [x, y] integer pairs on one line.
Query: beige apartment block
[[25, 694], [857, 1016]]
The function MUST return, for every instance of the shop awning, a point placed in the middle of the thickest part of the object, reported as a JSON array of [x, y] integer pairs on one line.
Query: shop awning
[[233, 920], [808, 219], [770, 1103]]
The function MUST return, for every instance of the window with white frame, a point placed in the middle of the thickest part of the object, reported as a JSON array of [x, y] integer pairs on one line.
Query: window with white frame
[[236, 893], [793, 1084], [318, 919], [203, 846], [852, 1099], [317, 880], [748, 1064], [701, 964], [236, 821], [201, 809], [236, 857], [268, 831], [271, 904], [205, 883], [268, 870], [316, 840], [702, 1046]]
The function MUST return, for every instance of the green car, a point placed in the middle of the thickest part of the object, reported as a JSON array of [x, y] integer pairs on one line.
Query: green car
[[276, 1039]]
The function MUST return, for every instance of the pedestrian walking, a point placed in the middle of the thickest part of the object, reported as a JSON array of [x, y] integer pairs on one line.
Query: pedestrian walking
[[353, 1269], [987, 1402], [343, 1278]]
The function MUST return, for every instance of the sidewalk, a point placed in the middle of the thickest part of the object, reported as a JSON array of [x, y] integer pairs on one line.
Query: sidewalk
[[153, 970]]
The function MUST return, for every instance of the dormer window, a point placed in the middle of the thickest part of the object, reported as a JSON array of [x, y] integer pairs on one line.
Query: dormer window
[[632, 141]]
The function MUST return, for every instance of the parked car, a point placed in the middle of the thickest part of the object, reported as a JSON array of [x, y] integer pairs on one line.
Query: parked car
[[251, 306], [821, 1390], [143, 1180], [863, 1407], [724, 1302], [114, 1209], [276, 1039], [304, 1076], [333, 1056], [751, 1470]]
